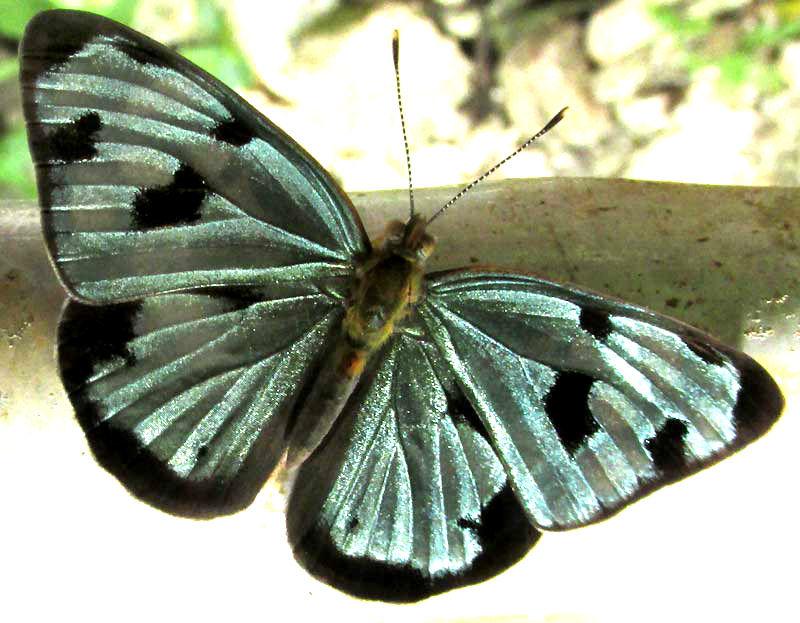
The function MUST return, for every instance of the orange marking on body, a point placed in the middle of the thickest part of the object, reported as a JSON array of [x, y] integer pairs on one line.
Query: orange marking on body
[[353, 363]]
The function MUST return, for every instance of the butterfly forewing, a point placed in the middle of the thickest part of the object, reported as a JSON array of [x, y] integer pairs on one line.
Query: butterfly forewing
[[591, 403], [406, 498], [155, 177]]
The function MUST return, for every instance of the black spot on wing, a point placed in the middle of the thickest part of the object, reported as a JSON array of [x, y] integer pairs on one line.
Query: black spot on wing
[[237, 298], [70, 142], [175, 203], [90, 335], [667, 449], [567, 406], [703, 350], [595, 322], [233, 132], [503, 532], [462, 412]]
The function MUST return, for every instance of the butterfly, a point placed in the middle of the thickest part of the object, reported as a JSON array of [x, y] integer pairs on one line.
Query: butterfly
[[227, 309]]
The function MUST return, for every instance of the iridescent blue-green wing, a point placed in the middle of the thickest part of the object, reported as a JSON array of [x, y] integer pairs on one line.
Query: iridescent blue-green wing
[[184, 397], [406, 497], [155, 177], [588, 402]]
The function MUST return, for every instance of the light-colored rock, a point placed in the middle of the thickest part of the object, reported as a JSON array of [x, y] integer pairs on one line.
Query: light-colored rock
[[620, 81], [776, 151], [437, 164], [167, 21], [264, 30], [344, 102], [540, 77], [618, 30], [709, 145], [462, 23], [645, 116], [490, 143], [789, 65], [527, 164], [659, 66], [342, 106]]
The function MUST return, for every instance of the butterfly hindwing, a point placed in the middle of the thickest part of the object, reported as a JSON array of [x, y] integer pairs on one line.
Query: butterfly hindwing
[[406, 498], [155, 177], [184, 396], [588, 402]]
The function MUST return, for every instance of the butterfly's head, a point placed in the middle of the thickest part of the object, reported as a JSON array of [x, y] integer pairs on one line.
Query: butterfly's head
[[408, 240]]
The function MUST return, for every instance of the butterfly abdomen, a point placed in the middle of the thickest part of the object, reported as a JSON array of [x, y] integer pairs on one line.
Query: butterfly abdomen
[[316, 414]]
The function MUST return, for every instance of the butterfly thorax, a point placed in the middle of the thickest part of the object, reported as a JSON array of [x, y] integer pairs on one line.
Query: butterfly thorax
[[388, 284], [386, 287]]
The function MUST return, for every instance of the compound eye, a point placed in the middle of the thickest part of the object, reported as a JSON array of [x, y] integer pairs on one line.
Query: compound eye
[[425, 248], [393, 234]]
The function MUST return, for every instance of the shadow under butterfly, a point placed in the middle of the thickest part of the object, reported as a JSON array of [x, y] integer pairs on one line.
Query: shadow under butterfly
[[227, 309]]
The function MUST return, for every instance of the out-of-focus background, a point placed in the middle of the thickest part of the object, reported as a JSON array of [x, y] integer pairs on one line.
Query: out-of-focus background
[[701, 91]]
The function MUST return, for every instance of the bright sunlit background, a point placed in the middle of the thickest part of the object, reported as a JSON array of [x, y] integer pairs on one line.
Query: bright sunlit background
[[702, 91]]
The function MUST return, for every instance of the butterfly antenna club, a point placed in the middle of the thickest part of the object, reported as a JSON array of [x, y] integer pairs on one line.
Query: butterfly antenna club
[[549, 126]]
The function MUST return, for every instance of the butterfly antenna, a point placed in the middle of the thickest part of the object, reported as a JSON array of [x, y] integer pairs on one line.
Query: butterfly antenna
[[550, 125], [396, 59]]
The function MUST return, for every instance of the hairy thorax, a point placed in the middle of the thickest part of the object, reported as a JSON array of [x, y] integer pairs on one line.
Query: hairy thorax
[[388, 284]]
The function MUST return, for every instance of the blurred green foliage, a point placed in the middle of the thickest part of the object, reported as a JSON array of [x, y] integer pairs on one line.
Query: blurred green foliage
[[745, 57], [337, 18]]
